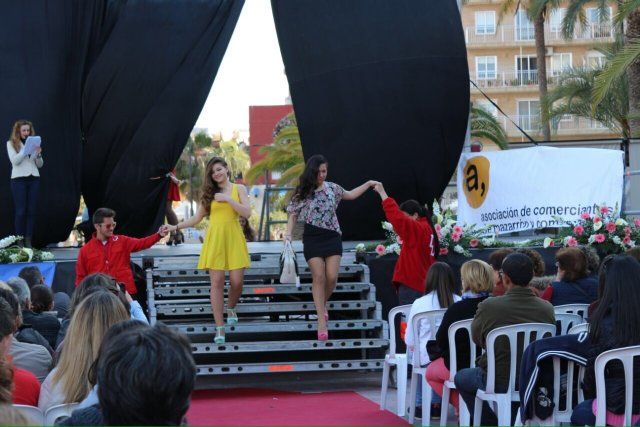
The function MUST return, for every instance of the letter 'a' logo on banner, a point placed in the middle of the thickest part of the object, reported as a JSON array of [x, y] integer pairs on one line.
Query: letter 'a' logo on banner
[[476, 180]]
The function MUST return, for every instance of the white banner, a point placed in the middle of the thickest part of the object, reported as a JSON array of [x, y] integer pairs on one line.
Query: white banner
[[524, 189]]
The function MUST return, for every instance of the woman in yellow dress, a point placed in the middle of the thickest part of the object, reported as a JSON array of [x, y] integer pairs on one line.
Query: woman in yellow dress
[[224, 248]]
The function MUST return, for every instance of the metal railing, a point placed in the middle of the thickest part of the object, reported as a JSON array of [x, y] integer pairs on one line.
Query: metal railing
[[509, 79], [479, 35], [569, 124]]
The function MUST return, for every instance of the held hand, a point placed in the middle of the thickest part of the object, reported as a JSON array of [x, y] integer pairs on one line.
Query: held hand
[[38, 150], [378, 188], [220, 197], [371, 183]]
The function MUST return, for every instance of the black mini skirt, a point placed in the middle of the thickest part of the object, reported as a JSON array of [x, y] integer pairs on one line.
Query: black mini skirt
[[320, 243]]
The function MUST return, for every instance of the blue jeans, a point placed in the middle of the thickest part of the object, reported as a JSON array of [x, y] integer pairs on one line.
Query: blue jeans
[[25, 199], [468, 382], [582, 414]]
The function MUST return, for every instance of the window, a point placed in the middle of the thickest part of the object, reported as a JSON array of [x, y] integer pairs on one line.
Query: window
[[598, 26], [528, 114], [527, 70], [524, 27], [595, 60], [486, 22], [485, 105], [555, 22], [560, 62], [593, 16], [486, 67]]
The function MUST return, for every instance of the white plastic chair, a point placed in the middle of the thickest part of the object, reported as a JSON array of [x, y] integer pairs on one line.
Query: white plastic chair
[[33, 414], [52, 414], [578, 329], [624, 355], [579, 309], [399, 360], [434, 317], [530, 332], [567, 321], [449, 385]]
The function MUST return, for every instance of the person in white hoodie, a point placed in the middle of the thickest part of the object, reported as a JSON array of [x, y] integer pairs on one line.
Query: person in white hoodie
[[439, 293], [25, 179]]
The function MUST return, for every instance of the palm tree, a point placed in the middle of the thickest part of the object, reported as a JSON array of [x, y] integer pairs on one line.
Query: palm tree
[[537, 11], [573, 95], [485, 125], [283, 155], [625, 62]]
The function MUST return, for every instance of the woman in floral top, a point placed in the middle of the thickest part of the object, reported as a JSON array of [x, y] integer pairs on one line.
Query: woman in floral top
[[314, 202]]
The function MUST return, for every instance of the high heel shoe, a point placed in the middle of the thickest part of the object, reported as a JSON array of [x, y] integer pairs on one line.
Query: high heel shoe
[[220, 338], [232, 316], [323, 335]]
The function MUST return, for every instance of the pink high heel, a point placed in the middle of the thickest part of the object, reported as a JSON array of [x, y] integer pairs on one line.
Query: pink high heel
[[323, 335]]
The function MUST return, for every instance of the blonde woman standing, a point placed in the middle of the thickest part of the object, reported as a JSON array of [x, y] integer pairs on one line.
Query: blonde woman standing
[[224, 248], [25, 179]]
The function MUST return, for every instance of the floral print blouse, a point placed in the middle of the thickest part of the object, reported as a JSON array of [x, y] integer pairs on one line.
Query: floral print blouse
[[320, 209]]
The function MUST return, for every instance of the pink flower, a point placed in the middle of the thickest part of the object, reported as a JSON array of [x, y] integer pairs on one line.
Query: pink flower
[[455, 237], [626, 240], [627, 231], [604, 209], [399, 240], [578, 230], [597, 219], [611, 227], [457, 229], [438, 228], [599, 238], [552, 244], [585, 215], [636, 222], [380, 249], [571, 241], [473, 243], [444, 251]]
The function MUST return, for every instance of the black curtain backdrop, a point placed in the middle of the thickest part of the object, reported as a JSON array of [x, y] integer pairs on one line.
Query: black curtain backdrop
[[381, 88], [113, 87]]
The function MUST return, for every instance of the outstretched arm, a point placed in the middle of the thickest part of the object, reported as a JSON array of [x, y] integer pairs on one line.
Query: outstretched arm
[[358, 191], [194, 220]]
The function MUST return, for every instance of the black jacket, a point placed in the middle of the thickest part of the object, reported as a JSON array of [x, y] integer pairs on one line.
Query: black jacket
[[91, 416], [46, 324]]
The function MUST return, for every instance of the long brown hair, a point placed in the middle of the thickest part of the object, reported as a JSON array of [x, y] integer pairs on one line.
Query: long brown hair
[[440, 280], [211, 187], [15, 133]]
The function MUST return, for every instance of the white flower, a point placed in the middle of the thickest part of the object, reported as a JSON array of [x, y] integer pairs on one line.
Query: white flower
[[435, 207], [445, 230], [591, 239], [8, 241], [387, 226], [451, 222], [632, 244], [547, 242], [14, 257], [621, 221], [439, 219], [597, 225], [29, 253], [48, 256], [459, 249], [488, 241], [394, 247], [359, 248], [617, 240]]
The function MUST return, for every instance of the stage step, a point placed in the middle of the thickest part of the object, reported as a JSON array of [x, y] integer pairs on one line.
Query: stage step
[[277, 329]]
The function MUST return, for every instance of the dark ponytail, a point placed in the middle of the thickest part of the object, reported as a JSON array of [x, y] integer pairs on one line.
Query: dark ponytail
[[412, 207]]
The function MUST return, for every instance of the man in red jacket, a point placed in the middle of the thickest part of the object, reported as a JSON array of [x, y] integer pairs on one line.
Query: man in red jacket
[[111, 253]]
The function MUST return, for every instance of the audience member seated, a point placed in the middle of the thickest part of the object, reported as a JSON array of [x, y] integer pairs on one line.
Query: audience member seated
[[31, 357], [540, 284], [477, 283], [518, 305], [572, 285], [33, 276], [26, 387], [46, 324], [68, 382], [614, 324], [495, 261], [146, 377], [601, 283], [593, 260], [26, 333], [634, 253], [439, 293], [536, 259]]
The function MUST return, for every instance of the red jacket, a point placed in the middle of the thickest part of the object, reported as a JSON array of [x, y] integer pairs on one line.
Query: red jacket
[[112, 258], [417, 253], [26, 388]]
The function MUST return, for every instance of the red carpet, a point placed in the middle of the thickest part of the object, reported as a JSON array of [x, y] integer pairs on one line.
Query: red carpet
[[258, 407]]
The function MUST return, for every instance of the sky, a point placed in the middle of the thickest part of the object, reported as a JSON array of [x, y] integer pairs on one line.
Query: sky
[[251, 73]]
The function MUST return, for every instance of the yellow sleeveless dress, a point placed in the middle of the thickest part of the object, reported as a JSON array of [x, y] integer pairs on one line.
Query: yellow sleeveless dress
[[224, 247]]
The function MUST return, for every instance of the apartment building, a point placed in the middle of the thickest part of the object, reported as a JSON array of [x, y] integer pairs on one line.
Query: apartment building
[[503, 64]]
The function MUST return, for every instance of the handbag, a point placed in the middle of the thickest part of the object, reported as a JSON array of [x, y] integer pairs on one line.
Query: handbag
[[288, 265]]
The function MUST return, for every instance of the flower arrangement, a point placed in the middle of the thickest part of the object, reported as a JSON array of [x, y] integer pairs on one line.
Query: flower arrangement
[[605, 230], [10, 252]]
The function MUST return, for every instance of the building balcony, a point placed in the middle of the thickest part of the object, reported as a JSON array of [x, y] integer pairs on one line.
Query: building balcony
[[568, 125], [511, 81], [505, 35]]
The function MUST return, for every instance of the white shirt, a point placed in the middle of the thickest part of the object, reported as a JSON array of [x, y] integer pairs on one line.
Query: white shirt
[[23, 165], [422, 304], [50, 393]]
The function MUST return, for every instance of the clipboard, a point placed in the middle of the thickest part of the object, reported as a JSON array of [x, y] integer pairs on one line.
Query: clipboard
[[31, 144]]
